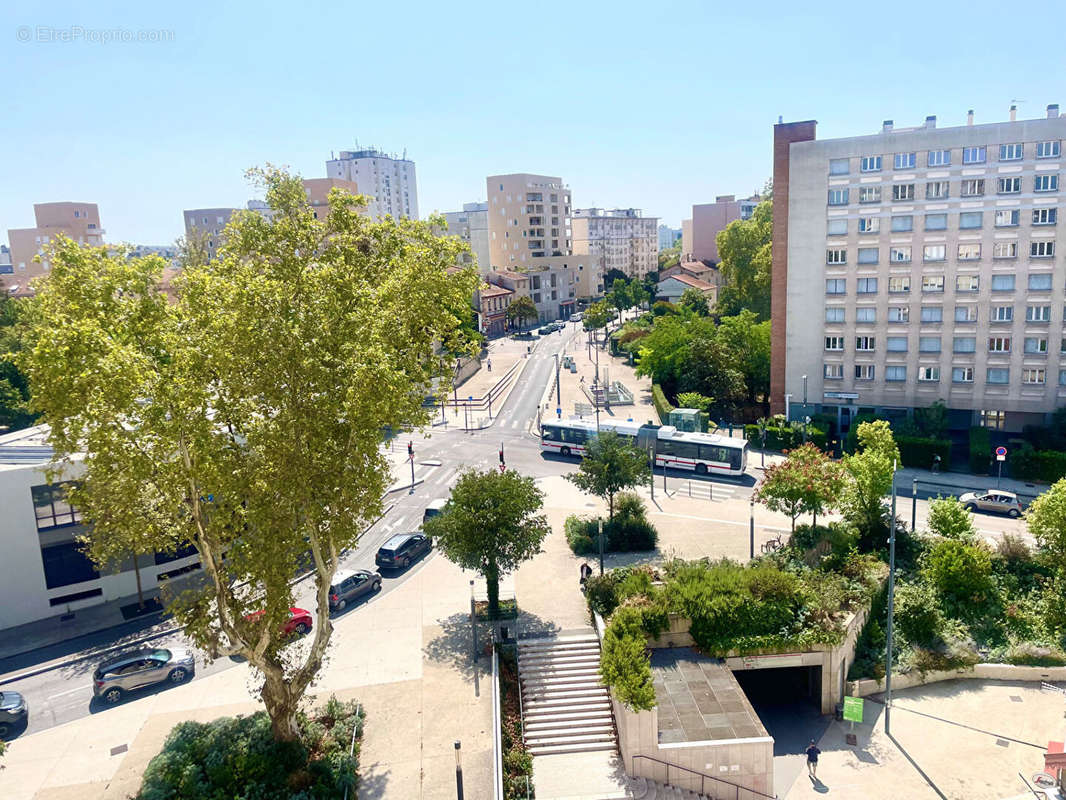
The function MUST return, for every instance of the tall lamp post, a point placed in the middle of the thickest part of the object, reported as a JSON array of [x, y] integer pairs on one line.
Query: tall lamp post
[[891, 602], [751, 528], [458, 770], [805, 417]]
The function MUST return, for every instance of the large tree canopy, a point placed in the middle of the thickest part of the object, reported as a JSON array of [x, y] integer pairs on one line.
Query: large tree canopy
[[744, 249], [245, 418], [15, 410]]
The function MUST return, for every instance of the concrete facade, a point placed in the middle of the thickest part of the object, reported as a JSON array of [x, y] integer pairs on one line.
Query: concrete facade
[[472, 226], [389, 182], [78, 221], [318, 190], [933, 254], [492, 303], [621, 238], [668, 236], [710, 219]]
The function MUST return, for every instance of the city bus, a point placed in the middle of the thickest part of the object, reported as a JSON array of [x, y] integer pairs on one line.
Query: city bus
[[703, 453]]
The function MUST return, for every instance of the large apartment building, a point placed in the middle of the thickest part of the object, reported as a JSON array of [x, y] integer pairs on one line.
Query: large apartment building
[[700, 240], [529, 220], [621, 238], [388, 181], [920, 264], [472, 226], [78, 221]]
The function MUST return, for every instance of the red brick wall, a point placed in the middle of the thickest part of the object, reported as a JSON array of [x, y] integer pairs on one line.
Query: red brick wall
[[784, 135]]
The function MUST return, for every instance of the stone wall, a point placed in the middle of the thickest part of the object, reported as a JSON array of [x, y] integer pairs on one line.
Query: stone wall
[[993, 672]]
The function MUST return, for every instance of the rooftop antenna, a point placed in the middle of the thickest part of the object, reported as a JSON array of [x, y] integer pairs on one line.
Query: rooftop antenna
[[780, 119]]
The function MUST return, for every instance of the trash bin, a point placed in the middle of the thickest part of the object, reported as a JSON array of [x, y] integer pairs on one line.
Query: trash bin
[[838, 712]]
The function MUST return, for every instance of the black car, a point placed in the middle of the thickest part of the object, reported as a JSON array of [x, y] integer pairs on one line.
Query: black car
[[402, 549], [13, 711]]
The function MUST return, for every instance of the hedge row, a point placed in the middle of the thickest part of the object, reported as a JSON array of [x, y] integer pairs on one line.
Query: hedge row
[[1030, 464], [662, 405], [786, 438], [916, 451], [980, 450]]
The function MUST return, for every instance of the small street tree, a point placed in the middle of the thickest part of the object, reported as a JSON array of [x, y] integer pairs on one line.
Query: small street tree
[[695, 301], [869, 479], [491, 525], [1046, 518], [611, 465], [245, 417], [949, 519], [619, 296], [807, 482], [597, 316], [521, 309]]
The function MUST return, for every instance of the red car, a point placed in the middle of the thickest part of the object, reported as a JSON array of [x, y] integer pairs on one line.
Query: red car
[[300, 622]]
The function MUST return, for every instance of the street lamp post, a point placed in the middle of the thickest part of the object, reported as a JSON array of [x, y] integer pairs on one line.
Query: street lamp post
[[914, 504], [805, 417], [891, 602], [600, 539], [458, 770], [651, 459], [558, 393], [762, 453], [751, 528]]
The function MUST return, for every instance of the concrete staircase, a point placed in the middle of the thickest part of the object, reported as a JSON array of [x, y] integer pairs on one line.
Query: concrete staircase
[[566, 708], [647, 789]]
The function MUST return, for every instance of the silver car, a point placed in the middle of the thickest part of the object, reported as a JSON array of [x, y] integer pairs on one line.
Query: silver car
[[140, 668], [995, 501]]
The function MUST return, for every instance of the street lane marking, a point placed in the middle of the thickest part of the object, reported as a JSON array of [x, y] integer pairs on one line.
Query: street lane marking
[[720, 521], [68, 691]]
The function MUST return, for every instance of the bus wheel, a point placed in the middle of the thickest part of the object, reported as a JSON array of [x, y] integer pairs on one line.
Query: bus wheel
[[565, 451], [701, 469]]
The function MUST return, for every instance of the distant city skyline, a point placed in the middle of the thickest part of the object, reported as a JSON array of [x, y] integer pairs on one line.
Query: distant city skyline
[[635, 105]]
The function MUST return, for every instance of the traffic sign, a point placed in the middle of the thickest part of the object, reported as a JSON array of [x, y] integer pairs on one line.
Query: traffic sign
[[853, 709], [1001, 451]]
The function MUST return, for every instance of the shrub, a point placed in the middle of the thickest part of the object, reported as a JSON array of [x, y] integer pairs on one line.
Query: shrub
[[980, 450], [624, 662], [626, 533], [238, 757], [1013, 549], [1027, 463], [578, 536], [786, 436], [949, 519], [601, 593], [916, 451], [917, 614], [661, 308], [959, 571], [662, 405]]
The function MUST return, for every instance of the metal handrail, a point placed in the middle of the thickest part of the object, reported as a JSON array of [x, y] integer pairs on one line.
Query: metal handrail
[[704, 777]]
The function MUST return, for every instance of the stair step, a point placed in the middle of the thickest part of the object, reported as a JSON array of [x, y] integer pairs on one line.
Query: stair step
[[557, 646], [588, 683], [540, 661], [566, 706], [565, 715], [535, 730], [531, 697], [578, 747], [592, 670]]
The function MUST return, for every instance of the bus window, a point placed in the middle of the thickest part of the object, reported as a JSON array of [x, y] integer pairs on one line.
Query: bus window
[[739, 460], [688, 450], [574, 435], [550, 433]]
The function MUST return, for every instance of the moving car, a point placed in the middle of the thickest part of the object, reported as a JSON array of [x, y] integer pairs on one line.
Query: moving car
[[995, 501], [580, 315], [13, 711], [402, 549], [299, 623], [351, 584], [546, 330], [137, 669], [434, 508]]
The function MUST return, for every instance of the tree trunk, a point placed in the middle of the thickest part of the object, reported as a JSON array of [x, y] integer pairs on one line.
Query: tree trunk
[[492, 585], [610, 505], [281, 706], [140, 591], [814, 524]]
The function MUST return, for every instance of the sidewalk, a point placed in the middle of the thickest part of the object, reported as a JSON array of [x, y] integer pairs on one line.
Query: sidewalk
[[416, 682], [965, 482]]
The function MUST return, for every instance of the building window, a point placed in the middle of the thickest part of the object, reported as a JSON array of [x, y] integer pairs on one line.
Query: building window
[[1002, 314], [903, 191], [966, 313], [835, 286], [834, 314], [1010, 152], [1062, 377], [900, 254], [999, 344], [1044, 249], [932, 314], [834, 343], [1011, 185], [938, 158], [964, 344], [973, 187], [992, 419], [869, 194], [962, 374], [904, 161], [838, 197], [864, 372], [902, 224], [969, 252], [1007, 218], [967, 283], [928, 373], [896, 344], [1045, 216], [899, 314], [1046, 183], [866, 286], [929, 344], [1005, 250], [868, 255], [1040, 282], [864, 344], [833, 372], [937, 190], [866, 314], [899, 284], [997, 375], [838, 166], [52, 508], [65, 564], [869, 225], [1033, 375], [836, 227], [934, 252], [1035, 346], [1047, 149], [870, 164], [969, 219], [936, 222], [973, 155], [895, 374], [836, 256]]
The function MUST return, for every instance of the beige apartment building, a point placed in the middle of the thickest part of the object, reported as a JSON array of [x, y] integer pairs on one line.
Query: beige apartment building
[[472, 226], [529, 223], [621, 238], [920, 264], [78, 221], [710, 219]]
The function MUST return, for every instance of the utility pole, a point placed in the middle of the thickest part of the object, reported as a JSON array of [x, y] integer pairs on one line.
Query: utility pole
[[914, 504], [891, 599], [558, 392], [411, 458], [600, 539], [458, 770], [751, 528], [651, 457], [805, 415]]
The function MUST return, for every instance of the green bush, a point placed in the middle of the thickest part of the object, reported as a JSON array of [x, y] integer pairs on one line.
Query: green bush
[[917, 614], [237, 757], [948, 518], [626, 533], [662, 405], [624, 662], [916, 451], [960, 572], [786, 437], [661, 308], [1030, 464], [851, 441], [980, 450]]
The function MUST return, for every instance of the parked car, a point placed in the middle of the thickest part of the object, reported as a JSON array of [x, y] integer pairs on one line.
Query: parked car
[[545, 330], [402, 549], [137, 669], [351, 584], [13, 711], [995, 501], [434, 508], [580, 315], [299, 622]]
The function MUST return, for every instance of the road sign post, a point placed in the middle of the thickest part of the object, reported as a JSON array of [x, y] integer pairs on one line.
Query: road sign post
[[1001, 456]]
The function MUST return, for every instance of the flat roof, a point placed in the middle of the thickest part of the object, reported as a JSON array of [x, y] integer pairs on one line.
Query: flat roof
[[699, 700], [27, 446]]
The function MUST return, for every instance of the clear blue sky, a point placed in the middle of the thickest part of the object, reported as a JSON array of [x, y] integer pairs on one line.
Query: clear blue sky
[[652, 104]]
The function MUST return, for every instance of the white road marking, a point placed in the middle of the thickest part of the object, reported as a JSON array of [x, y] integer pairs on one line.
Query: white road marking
[[720, 521], [68, 691]]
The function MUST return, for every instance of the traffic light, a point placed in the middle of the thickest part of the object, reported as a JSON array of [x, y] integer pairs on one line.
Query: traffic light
[[410, 449], [501, 454]]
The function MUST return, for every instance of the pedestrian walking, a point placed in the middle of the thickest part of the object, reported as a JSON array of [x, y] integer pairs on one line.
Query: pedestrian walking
[[812, 759], [490, 365]]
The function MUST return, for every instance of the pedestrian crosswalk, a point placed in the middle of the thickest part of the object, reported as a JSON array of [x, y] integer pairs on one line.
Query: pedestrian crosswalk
[[700, 489]]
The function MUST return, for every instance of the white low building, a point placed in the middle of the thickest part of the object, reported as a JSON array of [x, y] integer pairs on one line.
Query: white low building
[[43, 571]]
